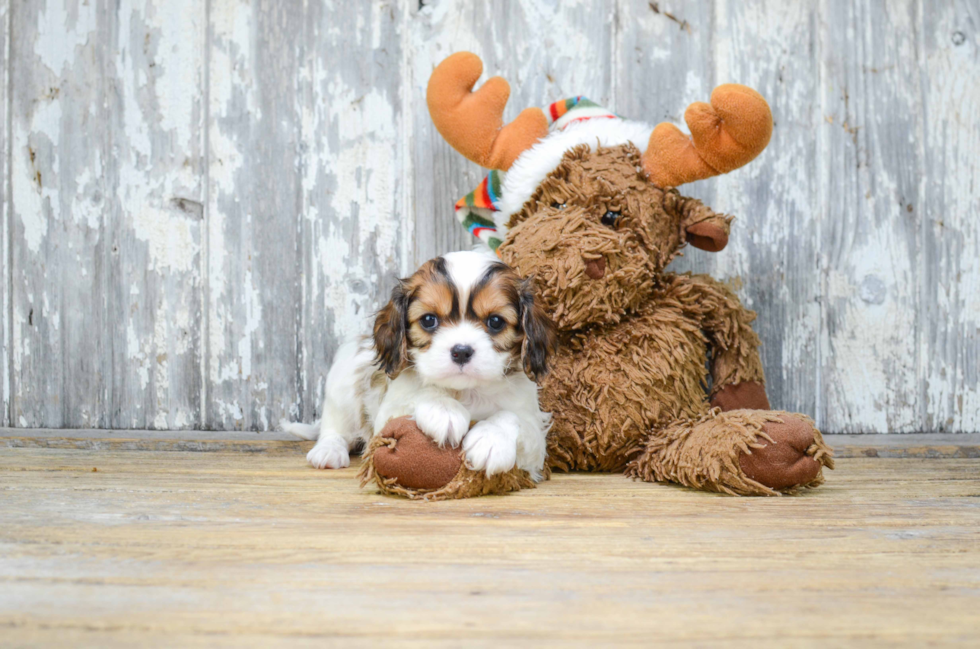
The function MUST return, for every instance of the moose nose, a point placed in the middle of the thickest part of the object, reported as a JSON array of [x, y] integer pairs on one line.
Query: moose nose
[[461, 354], [595, 268]]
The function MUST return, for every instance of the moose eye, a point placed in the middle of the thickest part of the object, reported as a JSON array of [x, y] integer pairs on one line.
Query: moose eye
[[496, 324], [610, 218], [429, 322], [558, 206]]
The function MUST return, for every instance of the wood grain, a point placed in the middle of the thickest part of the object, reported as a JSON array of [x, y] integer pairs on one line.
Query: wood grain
[[5, 267], [870, 237], [356, 179], [155, 89], [60, 234], [230, 549], [202, 199], [254, 213], [949, 318]]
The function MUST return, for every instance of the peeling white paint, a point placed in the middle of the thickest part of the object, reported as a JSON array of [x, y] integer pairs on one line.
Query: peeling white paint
[[253, 319], [36, 195], [858, 329], [61, 32], [134, 347], [231, 411], [365, 177], [172, 240]]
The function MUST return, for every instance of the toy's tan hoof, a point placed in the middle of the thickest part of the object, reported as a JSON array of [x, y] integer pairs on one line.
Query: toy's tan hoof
[[750, 395], [413, 459], [788, 462]]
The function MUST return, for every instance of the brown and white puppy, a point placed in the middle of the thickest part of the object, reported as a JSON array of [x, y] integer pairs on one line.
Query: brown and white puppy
[[460, 341]]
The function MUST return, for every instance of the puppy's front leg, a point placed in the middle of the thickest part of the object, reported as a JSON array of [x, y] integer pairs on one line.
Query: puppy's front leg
[[443, 419], [492, 444]]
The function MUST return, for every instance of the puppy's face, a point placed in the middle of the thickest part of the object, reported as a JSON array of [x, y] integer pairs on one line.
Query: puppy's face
[[463, 320]]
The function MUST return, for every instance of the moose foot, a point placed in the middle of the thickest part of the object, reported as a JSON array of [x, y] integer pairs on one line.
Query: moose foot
[[789, 454], [412, 459], [740, 452], [404, 461]]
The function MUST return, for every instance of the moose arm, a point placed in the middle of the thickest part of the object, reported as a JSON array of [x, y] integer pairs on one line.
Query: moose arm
[[736, 368]]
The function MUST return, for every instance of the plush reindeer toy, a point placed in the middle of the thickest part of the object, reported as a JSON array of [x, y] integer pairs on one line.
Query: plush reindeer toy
[[584, 202]]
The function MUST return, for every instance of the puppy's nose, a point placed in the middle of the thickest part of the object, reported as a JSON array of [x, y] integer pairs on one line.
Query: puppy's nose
[[461, 354], [595, 268]]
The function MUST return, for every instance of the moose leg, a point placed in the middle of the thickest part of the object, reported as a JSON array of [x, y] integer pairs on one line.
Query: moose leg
[[740, 452]]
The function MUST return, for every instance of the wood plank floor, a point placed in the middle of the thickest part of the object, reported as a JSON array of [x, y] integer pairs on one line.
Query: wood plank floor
[[156, 548]]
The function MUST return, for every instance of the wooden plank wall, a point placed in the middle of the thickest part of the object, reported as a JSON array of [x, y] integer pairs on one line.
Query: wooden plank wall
[[200, 199]]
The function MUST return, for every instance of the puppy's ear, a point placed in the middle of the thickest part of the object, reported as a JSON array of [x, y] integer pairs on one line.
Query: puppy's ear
[[540, 338], [390, 336]]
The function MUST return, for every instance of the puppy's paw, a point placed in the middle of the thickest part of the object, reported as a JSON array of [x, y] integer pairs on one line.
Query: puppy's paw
[[444, 420], [492, 445], [330, 452]]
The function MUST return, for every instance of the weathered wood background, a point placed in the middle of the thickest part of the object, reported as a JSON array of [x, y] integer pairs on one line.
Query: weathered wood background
[[201, 198]]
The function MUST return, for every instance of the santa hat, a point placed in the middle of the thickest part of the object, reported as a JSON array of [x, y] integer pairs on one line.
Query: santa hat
[[486, 210]]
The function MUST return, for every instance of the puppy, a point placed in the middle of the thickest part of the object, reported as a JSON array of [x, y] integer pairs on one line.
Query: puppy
[[460, 341]]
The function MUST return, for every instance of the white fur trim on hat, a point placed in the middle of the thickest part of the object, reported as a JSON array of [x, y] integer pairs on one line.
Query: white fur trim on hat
[[534, 165]]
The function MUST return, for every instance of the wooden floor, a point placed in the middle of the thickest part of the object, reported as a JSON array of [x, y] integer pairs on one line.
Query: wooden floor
[[132, 547]]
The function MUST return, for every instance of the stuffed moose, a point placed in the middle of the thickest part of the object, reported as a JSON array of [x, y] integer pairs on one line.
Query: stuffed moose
[[584, 202]]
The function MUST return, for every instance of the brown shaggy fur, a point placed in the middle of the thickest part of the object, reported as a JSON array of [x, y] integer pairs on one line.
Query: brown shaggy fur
[[638, 346], [643, 353]]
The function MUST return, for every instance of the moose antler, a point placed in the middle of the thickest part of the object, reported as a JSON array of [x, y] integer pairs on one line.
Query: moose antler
[[725, 135], [472, 122]]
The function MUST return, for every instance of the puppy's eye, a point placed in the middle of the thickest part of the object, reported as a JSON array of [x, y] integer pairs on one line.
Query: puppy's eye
[[558, 206], [610, 218], [496, 324], [429, 322]]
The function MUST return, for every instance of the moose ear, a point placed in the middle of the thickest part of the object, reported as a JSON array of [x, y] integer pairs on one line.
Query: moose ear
[[710, 234]]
